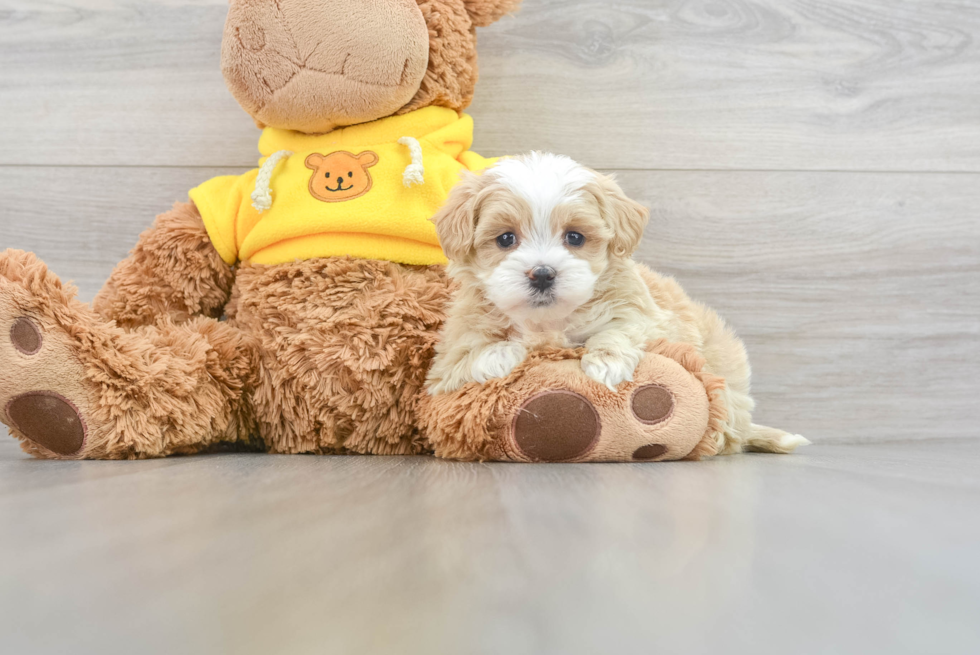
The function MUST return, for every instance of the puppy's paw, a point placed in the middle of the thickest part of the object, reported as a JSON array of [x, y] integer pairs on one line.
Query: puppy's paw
[[498, 360], [611, 367]]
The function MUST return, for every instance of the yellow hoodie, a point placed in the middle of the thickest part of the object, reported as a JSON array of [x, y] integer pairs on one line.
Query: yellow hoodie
[[367, 191]]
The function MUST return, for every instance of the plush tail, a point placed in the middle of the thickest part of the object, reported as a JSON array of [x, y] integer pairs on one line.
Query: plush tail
[[771, 440]]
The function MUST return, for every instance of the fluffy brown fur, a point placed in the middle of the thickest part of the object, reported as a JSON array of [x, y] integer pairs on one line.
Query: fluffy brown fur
[[173, 271], [344, 346]]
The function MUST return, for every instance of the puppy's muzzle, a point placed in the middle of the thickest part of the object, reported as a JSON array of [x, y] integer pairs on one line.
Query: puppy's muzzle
[[542, 278]]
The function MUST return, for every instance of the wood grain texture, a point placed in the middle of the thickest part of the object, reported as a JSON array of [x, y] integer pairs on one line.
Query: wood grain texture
[[814, 172], [858, 295], [740, 84], [838, 549], [86, 222], [679, 84]]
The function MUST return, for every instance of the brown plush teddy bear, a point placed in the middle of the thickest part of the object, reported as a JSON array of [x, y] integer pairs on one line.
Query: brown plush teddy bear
[[294, 309]]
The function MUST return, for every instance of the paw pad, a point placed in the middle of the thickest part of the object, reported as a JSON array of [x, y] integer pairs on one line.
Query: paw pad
[[49, 420], [556, 426], [652, 404], [651, 451], [26, 336]]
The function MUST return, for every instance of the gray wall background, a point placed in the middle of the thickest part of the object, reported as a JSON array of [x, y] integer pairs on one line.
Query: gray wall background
[[813, 166]]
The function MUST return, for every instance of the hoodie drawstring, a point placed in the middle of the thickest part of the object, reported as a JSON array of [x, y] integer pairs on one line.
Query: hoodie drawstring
[[415, 172], [262, 196]]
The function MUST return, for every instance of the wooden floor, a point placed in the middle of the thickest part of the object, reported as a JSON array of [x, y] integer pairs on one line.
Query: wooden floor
[[814, 173], [839, 549]]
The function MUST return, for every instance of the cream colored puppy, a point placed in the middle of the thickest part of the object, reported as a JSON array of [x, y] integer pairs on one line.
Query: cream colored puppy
[[541, 248]]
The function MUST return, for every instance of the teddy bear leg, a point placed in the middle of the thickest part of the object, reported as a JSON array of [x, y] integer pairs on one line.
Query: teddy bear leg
[[73, 386], [173, 271], [549, 411]]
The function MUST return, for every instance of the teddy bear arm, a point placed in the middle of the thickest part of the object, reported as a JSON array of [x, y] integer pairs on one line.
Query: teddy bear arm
[[174, 271]]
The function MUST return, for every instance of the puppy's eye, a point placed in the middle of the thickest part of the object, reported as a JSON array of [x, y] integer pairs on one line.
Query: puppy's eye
[[574, 239], [350, 174], [507, 240]]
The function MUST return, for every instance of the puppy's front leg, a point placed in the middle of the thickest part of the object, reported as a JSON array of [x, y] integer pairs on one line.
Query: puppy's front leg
[[611, 358], [473, 360], [497, 360]]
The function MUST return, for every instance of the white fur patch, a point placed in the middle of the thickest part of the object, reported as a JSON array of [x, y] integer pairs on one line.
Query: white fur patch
[[498, 360], [545, 181], [611, 368], [508, 288]]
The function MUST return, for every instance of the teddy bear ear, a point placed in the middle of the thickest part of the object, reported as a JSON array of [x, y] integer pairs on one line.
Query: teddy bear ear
[[487, 12], [367, 159]]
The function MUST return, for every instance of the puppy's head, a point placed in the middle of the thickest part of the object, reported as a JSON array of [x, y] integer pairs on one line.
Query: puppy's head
[[537, 232]]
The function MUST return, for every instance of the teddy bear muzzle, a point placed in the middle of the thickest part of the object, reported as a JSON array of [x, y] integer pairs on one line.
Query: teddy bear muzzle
[[314, 65]]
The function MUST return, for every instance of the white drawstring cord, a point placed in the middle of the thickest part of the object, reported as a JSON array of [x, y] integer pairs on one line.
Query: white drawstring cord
[[262, 196], [415, 172]]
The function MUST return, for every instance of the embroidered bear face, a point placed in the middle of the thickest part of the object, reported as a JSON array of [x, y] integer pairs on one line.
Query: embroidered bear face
[[340, 175]]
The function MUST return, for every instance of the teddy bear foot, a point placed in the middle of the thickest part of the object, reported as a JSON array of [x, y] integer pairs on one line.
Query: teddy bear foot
[[549, 411], [560, 426], [74, 386], [663, 415], [49, 420], [42, 393]]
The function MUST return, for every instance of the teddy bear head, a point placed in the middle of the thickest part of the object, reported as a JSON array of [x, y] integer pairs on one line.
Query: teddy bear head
[[316, 65]]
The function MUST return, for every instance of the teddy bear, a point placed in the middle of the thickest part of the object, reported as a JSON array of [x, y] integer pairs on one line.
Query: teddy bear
[[294, 309]]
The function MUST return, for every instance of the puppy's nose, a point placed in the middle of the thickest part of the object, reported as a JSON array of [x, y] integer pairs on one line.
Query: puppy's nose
[[542, 277]]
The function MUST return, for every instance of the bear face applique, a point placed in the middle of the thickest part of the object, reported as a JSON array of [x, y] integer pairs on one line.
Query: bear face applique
[[340, 175]]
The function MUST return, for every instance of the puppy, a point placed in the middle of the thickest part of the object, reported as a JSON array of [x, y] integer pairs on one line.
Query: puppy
[[541, 250]]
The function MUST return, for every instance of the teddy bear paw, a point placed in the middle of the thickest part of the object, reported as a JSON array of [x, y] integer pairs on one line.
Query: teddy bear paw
[[564, 425], [556, 426], [42, 393]]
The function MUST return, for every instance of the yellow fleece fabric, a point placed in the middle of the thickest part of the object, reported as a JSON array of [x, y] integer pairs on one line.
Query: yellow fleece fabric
[[379, 218]]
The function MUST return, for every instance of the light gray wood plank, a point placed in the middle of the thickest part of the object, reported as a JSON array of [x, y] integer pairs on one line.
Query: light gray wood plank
[[858, 295], [115, 82], [736, 84], [843, 549], [82, 221], [669, 84]]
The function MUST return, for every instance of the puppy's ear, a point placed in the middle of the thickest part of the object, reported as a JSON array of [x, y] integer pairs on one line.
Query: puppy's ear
[[487, 12], [626, 217], [456, 221]]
